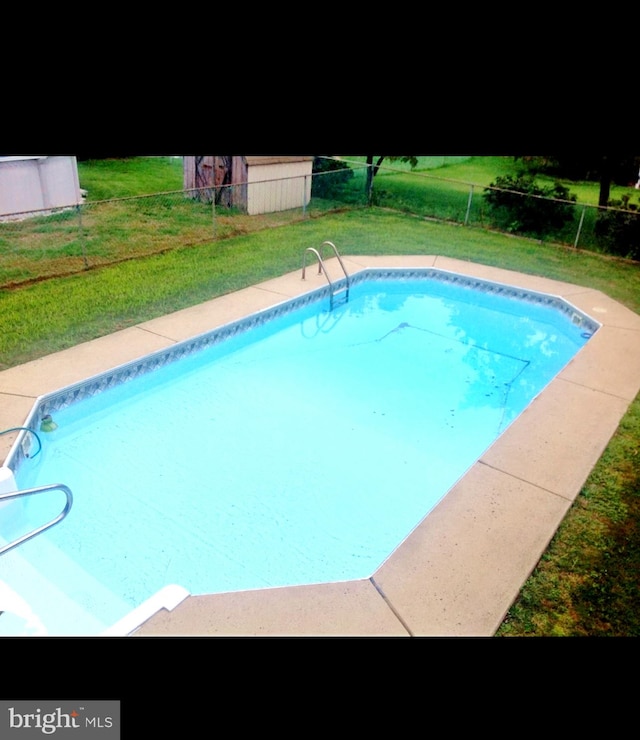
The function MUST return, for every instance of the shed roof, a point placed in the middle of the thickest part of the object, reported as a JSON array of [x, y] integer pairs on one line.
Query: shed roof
[[19, 159], [276, 160]]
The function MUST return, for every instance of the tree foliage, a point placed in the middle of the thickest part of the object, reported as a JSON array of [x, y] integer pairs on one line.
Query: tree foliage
[[618, 231], [329, 176], [518, 204], [621, 169]]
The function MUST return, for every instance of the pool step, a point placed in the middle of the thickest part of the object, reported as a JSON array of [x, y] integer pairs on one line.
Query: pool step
[[340, 295], [32, 605]]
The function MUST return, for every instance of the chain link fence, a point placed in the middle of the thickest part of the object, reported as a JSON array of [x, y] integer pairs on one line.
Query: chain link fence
[[612, 230], [37, 245]]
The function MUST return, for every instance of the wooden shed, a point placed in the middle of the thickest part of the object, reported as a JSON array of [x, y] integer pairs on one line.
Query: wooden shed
[[34, 185], [255, 184]]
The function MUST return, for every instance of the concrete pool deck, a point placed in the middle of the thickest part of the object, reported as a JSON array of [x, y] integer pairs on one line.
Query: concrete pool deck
[[460, 569]]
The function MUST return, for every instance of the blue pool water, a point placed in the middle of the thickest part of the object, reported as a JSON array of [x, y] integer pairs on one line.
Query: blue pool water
[[303, 449]]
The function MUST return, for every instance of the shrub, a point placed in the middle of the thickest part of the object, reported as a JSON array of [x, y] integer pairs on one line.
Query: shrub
[[517, 204], [618, 231]]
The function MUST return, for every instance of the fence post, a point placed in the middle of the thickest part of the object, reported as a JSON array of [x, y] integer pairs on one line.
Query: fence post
[[213, 212], [304, 196], [466, 218], [575, 244], [82, 239]]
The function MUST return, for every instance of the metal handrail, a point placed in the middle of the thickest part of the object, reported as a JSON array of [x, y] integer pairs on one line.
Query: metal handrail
[[335, 251], [322, 268], [48, 525]]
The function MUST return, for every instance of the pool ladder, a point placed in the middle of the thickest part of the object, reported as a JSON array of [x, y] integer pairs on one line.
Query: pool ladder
[[48, 525], [334, 290]]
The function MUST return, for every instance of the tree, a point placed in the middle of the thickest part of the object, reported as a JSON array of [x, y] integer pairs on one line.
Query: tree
[[329, 177], [606, 168], [605, 181], [372, 170], [619, 169]]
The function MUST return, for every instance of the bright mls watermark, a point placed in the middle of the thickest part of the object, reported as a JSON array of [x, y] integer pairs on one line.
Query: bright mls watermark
[[81, 720]]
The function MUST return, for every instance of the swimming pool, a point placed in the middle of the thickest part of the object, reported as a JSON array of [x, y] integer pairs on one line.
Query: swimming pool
[[388, 350]]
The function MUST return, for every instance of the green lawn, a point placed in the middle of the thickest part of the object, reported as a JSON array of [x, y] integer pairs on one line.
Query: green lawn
[[58, 313], [123, 178]]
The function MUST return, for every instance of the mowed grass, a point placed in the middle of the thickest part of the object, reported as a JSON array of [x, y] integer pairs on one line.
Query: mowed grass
[[586, 583], [58, 313], [123, 178]]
